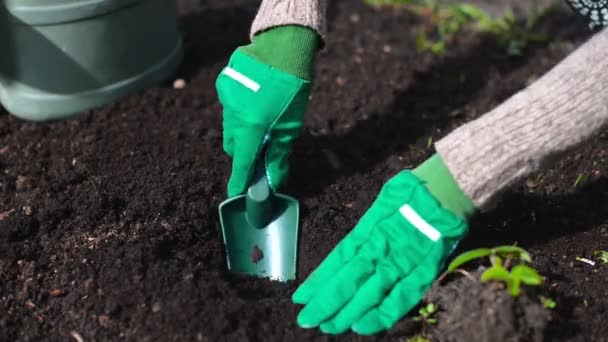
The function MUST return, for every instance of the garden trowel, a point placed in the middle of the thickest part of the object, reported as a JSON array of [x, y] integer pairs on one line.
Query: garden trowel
[[260, 230]]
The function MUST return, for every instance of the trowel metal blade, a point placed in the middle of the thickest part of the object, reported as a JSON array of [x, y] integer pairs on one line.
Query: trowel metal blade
[[269, 252]]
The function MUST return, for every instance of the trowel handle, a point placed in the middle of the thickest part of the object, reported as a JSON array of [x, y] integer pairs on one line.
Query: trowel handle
[[259, 195]]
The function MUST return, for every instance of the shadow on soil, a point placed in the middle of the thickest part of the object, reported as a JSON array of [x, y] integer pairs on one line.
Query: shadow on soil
[[531, 219], [436, 97], [221, 29], [435, 93]]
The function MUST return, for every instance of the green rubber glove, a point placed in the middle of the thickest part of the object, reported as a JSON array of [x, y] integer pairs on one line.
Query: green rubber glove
[[264, 91], [385, 265]]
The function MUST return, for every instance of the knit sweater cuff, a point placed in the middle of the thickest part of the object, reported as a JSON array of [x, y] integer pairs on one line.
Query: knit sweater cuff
[[563, 108], [307, 13]]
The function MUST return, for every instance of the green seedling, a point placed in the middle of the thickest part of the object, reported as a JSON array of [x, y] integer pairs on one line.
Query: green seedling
[[579, 179], [512, 34], [447, 20], [548, 303], [518, 275], [429, 142], [501, 271], [601, 256], [427, 314], [501, 251], [418, 338]]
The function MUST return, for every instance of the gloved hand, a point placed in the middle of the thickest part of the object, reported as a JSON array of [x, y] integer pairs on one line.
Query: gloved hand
[[264, 92], [385, 265]]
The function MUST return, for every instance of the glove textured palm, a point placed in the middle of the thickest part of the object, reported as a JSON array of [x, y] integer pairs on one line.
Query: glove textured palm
[[385, 265], [261, 104]]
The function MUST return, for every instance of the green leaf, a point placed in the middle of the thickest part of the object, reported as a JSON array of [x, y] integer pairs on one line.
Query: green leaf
[[438, 48], [548, 303], [513, 250], [539, 178], [579, 179], [431, 321], [496, 273], [424, 44], [602, 256], [473, 12], [468, 256], [527, 275]]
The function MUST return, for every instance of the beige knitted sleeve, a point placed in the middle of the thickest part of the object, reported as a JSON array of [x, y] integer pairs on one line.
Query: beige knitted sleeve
[[565, 107], [309, 13]]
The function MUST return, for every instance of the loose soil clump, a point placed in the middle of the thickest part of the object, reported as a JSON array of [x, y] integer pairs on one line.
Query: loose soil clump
[[474, 311]]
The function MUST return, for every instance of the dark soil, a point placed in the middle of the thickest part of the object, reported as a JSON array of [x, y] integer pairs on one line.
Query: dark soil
[[110, 230]]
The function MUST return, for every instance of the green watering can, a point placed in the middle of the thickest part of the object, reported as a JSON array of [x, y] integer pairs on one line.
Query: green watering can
[[62, 57], [260, 230]]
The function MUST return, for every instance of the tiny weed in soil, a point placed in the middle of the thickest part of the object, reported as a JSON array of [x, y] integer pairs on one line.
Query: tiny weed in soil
[[418, 338], [256, 254], [427, 314], [512, 34], [502, 251], [579, 179], [499, 271], [539, 178], [601, 256], [548, 303]]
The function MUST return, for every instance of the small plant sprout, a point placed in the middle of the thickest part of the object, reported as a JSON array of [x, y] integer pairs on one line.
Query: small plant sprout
[[427, 314], [548, 302], [585, 260], [429, 143], [579, 179], [418, 338], [448, 19], [602, 256], [500, 270]]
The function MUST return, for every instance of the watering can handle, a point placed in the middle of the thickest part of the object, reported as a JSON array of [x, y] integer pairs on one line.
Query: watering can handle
[[259, 195]]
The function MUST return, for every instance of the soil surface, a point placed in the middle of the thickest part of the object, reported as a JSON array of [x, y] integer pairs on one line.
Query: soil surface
[[109, 227]]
